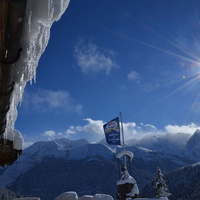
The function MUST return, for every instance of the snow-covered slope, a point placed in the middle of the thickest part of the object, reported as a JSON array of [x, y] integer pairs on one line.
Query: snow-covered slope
[[192, 148], [92, 151], [183, 183], [52, 170], [167, 143], [133, 142], [35, 154]]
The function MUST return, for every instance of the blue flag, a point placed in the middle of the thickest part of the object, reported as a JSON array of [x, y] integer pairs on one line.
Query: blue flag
[[112, 132]]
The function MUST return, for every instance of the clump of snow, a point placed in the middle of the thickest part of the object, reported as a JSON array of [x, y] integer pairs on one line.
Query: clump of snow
[[39, 17], [126, 178], [134, 191], [86, 197], [16, 137], [74, 196], [102, 197], [68, 196]]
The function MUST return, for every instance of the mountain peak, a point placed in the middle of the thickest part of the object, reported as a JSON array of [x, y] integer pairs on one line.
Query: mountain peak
[[197, 132], [195, 138], [193, 145]]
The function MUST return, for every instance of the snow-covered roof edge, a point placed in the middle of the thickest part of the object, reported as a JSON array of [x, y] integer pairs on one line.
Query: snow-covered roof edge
[[39, 17]]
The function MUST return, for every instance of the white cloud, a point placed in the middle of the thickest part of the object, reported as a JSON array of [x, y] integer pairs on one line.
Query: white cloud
[[49, 100], [190, 128], [133, 76], [93, 131], [93, 59], [148, 125], [95, 127], [92, 126], [129, 130], [50, 133], [71, 130]]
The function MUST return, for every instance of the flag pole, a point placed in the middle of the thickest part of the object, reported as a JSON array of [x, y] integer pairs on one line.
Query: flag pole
[[123, 138]]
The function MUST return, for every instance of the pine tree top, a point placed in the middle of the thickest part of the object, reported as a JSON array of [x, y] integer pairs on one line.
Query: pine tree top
[[161, 189]]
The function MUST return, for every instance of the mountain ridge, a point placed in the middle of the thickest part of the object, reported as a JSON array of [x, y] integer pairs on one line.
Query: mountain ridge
[[85, 167]]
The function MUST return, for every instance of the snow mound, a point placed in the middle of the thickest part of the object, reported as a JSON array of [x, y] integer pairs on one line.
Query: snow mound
[[86, 197], [102, 196], [16, 137], [68, 196], [74, 196]]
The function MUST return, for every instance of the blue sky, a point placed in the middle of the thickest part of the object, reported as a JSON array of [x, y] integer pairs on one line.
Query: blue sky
[[137, 57]]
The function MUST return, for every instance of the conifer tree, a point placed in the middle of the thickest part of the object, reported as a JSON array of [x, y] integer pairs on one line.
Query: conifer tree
[[161, 189]]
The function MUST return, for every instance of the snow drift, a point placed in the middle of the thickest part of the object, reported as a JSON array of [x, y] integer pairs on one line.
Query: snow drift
[[74, 196]]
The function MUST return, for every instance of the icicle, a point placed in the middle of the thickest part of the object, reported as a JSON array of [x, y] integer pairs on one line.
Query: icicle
[[20, 95], [34, 75], [49, 6], [5, 137], [29, 20], [6, 54]]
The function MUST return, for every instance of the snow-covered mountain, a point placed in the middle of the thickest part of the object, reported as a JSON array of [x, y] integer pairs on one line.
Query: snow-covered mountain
[[192, 147], [168, 143], [50, 169], [35, 154], [47, 169]]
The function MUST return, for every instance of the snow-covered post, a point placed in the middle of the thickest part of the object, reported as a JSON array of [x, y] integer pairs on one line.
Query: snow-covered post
[[161, 189], [127, 185]]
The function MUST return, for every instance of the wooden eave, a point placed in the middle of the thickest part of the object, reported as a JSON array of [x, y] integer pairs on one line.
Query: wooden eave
[[11, 23]]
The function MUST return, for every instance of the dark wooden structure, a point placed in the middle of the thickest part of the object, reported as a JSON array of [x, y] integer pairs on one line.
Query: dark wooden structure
[[11, 22]]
